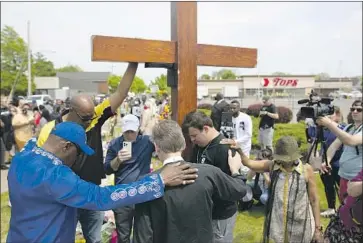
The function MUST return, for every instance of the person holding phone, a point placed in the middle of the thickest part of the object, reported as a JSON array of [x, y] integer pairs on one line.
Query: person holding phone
[[128, 157]]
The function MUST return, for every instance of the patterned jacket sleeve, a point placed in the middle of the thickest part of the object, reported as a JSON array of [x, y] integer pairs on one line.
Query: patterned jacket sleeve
[[65, 187]]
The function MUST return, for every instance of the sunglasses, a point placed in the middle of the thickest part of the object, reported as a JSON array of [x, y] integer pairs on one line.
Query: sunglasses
[[352, 109], [84, 118]]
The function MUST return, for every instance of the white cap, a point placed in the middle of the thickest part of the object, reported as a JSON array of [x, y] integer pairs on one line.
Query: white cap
[[130, 123]]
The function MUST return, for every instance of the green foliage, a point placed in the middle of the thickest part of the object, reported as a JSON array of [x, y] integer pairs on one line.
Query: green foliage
[[14, 61], [296, 130], [113, 81], [224, 74], [161, 82], [205, 76], [42, 67], [138, 85], [69, 69]]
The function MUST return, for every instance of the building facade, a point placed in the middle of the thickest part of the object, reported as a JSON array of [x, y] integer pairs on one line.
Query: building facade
[[86, 82], [292, 85]]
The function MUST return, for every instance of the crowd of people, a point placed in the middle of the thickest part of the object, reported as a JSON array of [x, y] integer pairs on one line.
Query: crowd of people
[[54, 181]]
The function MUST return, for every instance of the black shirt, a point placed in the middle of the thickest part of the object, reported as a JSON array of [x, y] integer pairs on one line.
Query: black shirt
[[183, 214], [266, 121], [90, 168], [216, 115], [216, 154]]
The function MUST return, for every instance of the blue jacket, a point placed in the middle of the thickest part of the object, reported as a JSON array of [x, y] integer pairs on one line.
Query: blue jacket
[[137, 166], [44, 195]]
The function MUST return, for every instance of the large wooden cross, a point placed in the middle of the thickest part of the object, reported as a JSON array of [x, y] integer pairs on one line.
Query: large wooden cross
[[180, 56]]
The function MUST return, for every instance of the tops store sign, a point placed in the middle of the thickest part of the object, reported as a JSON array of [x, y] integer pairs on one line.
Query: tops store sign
[[279, 82], [270, 82]]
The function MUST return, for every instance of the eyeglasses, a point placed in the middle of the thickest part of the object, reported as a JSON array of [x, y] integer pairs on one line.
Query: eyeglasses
[[352, 109]]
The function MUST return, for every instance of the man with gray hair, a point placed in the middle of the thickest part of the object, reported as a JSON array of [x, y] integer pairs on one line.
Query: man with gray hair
[[268, 116], [184, 214]]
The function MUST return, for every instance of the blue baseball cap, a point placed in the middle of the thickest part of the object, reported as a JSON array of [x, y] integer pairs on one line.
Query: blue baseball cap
[[73, 132]]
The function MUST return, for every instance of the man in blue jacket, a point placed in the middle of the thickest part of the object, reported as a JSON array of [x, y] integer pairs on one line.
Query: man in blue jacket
[[45, 193], [128, 167]]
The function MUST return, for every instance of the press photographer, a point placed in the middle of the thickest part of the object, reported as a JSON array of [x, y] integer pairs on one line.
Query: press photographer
[[330, 180], [351, 138]]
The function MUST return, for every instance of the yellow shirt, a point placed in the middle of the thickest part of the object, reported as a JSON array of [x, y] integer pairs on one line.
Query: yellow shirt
[[100, 111]]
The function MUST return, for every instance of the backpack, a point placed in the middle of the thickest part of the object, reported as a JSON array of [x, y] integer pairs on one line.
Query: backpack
[[348, 128]]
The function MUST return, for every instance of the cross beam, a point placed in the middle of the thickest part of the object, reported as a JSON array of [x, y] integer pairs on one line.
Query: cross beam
[[120, 49]]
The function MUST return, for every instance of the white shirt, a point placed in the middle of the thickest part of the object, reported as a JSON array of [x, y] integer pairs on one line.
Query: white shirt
[[242, 128]]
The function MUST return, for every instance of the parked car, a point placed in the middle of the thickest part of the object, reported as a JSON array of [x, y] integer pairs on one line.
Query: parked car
[[356, 94], [38, 99]]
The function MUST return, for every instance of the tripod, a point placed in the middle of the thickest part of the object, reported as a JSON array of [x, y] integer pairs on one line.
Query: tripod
[[319, 139]]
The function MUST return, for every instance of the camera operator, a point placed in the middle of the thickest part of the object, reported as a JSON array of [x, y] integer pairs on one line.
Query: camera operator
[[351, 138], [218, 108], [330, 180], [268, 116]]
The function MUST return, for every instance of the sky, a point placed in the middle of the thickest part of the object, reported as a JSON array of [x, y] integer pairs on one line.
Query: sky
[[292, 37]]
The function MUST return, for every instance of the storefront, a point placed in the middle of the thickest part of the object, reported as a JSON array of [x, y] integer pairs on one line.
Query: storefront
[[297, 85]]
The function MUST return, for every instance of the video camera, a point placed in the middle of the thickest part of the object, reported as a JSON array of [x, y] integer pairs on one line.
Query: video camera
[[227, 125], [316, 106]]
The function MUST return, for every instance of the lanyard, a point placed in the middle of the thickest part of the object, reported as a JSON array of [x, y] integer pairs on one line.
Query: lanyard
[[203, 153]]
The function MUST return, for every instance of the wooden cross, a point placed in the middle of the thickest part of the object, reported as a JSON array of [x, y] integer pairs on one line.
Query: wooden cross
[[181, 56]]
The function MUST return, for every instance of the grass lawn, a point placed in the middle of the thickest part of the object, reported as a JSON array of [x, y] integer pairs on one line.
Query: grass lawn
[[248, 228]]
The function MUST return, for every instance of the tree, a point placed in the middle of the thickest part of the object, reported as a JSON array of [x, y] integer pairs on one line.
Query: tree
[[205, 77], [113, 81], [14, 61], [161, 82], [42, 67], [138, 85], [322, 76], [224, 74], [69, 69]]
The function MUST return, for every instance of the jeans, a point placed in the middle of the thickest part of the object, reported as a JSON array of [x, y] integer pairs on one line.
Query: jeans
[[265, 138], [331, 183], [223, 229], [91, 222], [124, 220]]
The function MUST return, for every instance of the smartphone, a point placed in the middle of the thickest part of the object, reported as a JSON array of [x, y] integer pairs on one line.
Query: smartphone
[[127, 146]]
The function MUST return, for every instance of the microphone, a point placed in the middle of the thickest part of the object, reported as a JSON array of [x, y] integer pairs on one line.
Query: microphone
[[303, 101]]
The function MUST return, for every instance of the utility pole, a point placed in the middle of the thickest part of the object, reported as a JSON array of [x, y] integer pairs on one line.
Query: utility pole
[[340, 74], [29, 63]]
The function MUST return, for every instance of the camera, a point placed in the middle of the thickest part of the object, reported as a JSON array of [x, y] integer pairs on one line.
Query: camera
[[316, 106], [227, 125]]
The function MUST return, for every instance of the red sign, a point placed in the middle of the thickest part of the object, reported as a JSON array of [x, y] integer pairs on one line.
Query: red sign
[[279, 82]]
